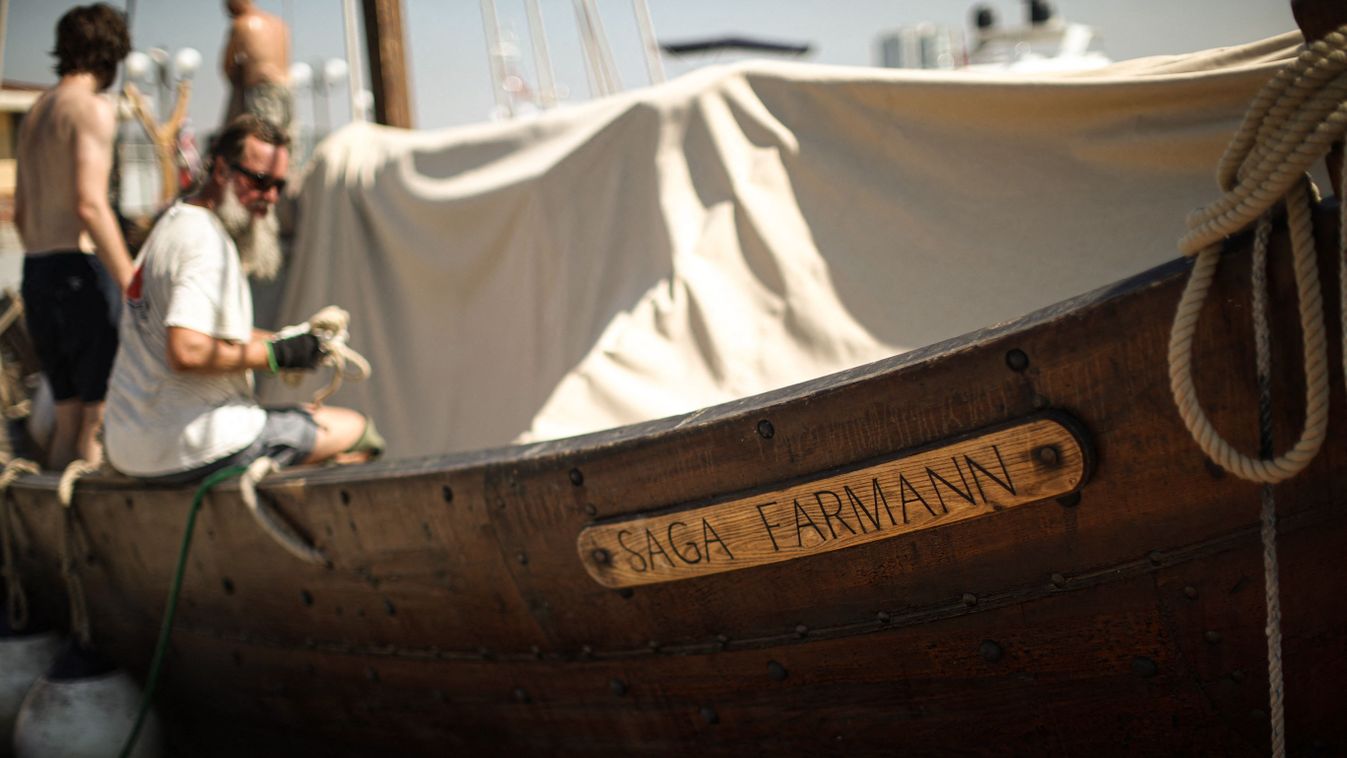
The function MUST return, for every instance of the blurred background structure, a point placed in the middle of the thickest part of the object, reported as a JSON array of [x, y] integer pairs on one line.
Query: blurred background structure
[[467, 62]]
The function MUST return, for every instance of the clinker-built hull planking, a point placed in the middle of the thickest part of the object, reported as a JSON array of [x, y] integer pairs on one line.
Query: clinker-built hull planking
[[456, 612]]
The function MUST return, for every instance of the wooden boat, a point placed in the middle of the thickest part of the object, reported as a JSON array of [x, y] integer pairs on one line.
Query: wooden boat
[[1003, 543]]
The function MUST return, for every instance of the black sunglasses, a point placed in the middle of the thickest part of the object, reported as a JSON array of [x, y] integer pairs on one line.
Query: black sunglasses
[[263, 182]]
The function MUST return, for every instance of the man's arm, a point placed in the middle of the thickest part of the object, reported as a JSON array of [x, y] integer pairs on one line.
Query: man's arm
[[193, 352], [93, 167], [229, 63]]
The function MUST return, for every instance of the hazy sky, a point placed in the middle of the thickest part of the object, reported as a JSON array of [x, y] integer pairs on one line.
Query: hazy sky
[[450, 79]]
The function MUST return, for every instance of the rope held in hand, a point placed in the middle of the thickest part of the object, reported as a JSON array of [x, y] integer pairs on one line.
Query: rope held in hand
[[329, 325]]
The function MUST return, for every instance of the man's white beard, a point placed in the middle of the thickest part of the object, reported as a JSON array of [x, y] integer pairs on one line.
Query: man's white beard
[[258, 239]]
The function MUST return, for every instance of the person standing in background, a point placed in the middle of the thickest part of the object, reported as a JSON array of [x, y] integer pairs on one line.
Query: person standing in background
[[257, 65], [63, 213]]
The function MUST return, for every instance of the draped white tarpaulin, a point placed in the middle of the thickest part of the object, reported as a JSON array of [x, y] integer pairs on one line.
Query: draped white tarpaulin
[[739, 229]]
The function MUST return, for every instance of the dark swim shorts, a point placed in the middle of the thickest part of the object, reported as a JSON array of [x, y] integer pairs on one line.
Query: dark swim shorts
[[71, 306]]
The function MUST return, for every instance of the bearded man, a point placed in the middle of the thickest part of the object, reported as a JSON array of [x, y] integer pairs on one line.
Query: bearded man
[[180, 402]]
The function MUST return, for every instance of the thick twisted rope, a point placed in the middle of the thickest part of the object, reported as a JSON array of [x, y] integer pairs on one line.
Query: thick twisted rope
[[274, 527], [1291, 124], [80, 624], [16, 600], [1271, 574]]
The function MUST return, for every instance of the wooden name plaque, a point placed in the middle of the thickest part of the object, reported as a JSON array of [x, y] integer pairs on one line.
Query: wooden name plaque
[[1003, 467]]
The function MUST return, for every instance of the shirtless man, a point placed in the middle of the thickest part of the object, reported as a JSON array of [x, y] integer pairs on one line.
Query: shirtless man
[[257, 65], [61, 208]]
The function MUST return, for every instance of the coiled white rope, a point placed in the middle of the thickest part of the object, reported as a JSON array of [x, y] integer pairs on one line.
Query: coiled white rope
[[1292, 123]]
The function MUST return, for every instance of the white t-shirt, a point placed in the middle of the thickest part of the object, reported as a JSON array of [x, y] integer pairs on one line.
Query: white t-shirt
[[158, 421]]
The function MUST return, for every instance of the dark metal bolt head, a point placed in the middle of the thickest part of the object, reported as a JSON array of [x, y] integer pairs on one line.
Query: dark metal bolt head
[[1190, 592], [1048, 455], [372, 675], [345, 497], [306, 597], [577, 478], [228, 585], [586, 651], [990, 651], [723, 639], [1155, 558], [1069, 501], [537, 652], [709, 715], [522, 557], [590, 510], [1058, 581], [765, 429], [969, 599], [1144, 667], [1212, 636], [653, 645], [520, 695], [447, 493], [617, 687], [776, 671], [882, 617], [1237, 676], [601, 556], [801, 630], [1017, 360]]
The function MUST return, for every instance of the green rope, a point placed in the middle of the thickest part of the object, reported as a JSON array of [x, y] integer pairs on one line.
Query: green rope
[[166, 629]]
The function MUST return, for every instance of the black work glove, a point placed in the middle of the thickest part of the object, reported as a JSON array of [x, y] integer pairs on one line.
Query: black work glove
[[302, 351]]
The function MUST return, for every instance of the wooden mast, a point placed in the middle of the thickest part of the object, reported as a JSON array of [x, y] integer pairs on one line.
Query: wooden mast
[[1317, 18], [387, 62]]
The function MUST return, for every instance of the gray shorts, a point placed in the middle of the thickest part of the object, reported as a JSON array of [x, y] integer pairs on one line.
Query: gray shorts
[[287, 437]]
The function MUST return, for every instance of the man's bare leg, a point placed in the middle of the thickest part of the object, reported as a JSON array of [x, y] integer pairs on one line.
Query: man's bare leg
[[88, 445], [65, 435], [338, 430]]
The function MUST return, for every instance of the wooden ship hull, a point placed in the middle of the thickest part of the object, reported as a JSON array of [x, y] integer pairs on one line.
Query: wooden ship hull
[[462, 608]]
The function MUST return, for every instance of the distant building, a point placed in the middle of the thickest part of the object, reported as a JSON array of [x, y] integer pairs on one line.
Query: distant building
[[1043, 43], [922, 46]]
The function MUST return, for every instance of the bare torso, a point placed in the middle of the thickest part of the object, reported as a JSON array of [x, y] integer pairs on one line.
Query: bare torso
[[46, 190], [258, 50]]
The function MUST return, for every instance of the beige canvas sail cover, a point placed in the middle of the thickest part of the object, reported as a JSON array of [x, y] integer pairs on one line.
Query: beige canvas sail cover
[[737, 230]]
